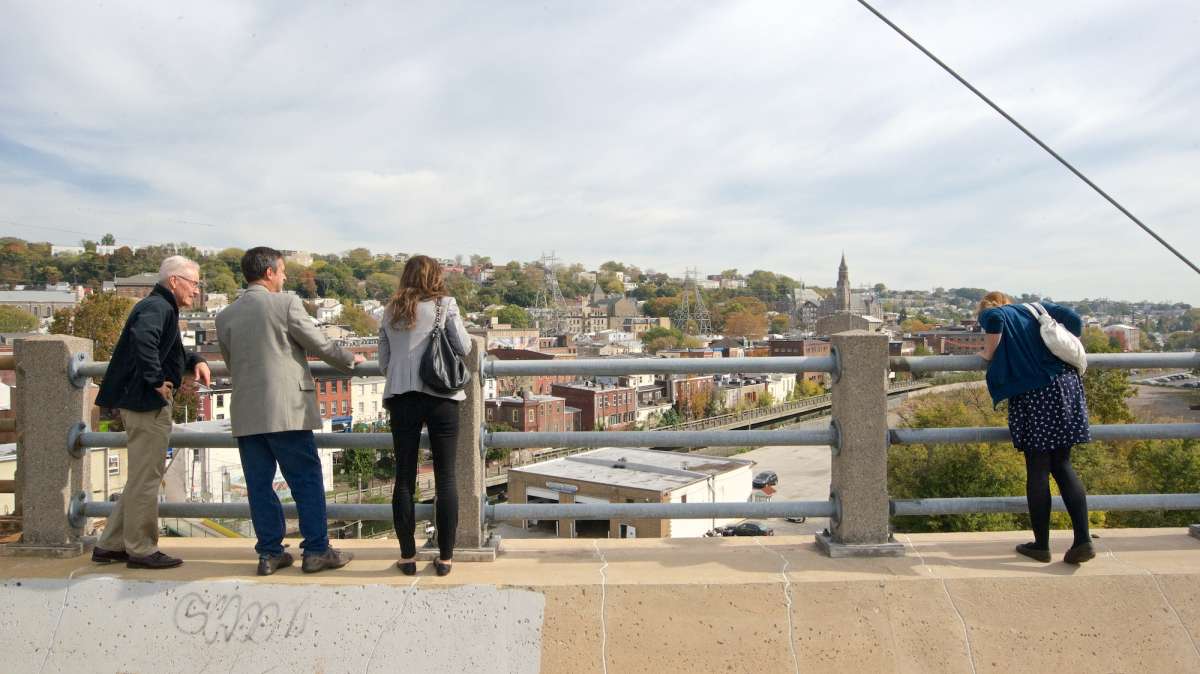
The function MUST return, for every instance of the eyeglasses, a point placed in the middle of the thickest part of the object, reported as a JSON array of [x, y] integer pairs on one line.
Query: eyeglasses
[[195, 282]]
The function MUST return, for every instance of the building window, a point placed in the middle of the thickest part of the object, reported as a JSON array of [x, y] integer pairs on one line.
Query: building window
[[322, 408], [220, 416], [345, 407], [374, 388], [361, 409], [532, 416], [683, 498], [114, 464], [220, 400], [321, 386], [516, 415]]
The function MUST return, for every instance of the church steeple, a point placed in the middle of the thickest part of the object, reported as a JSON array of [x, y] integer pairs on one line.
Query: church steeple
[[843, 285]]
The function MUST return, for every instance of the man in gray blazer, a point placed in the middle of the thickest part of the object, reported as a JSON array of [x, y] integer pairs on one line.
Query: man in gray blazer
[[265, 335]]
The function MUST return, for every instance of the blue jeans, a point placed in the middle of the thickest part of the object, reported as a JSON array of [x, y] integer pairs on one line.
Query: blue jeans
[[295, 452]]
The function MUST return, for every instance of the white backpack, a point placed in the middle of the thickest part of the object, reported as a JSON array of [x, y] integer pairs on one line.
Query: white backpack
[[1064, 345]]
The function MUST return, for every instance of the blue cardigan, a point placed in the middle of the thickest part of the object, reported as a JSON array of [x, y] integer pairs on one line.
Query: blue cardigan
[[1022, 362]]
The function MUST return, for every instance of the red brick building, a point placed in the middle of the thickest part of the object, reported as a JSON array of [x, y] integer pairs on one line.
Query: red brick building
[[614, 407], [538, 384], [333, 397], [529, 413], [801, 348], [691, 393]]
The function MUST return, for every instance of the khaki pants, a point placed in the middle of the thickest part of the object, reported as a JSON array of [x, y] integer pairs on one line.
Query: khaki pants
[[133, 525]]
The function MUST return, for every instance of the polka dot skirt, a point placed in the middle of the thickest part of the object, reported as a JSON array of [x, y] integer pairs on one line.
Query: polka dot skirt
[[1050, 417]]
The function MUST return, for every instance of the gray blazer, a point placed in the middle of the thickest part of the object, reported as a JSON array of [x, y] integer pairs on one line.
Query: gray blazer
[[264, 337], [400, 351]]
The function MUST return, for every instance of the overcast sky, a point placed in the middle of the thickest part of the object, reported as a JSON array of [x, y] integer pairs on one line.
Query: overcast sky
[[767, 135]]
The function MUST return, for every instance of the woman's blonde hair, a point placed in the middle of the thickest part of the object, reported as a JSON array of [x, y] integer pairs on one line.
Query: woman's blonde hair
[[421, 280], [992, 300]]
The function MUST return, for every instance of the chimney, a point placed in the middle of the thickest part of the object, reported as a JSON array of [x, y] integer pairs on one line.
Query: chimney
[[526, 394]]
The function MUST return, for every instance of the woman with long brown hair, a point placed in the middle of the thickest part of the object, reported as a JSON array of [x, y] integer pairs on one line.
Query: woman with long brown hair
[[1047, 413], [421, 304]]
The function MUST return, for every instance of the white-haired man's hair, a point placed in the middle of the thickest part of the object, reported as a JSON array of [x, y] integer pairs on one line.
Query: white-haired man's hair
[[175, 265]]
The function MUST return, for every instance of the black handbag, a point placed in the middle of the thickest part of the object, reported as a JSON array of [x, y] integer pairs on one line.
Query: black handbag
[[442, 368]]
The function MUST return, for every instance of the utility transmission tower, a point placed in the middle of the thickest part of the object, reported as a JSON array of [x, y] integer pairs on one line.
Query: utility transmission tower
[[692, 316], [550, 299]]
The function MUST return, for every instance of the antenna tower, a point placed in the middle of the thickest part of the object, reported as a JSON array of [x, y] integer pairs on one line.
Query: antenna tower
[[692, 316], [550, 299]]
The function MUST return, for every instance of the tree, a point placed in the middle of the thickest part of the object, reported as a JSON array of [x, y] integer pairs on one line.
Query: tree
[[780, 323], [381, 286], [668, 418], [108, 240], [657, 339], [358, 463], [185, 404], [746, 324], [515, 316], [359, 321], [99, 317], [15, 319], [463, 290]]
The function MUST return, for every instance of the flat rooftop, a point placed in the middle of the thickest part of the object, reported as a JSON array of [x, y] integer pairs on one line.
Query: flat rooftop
[[643, 468]]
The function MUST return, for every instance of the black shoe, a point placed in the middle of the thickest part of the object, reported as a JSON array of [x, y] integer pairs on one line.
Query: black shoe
[[102, 556], [1079, 554], [330, 559], [407, 568], [159, 560], [1028, 549], [272, 563], [442, 568]]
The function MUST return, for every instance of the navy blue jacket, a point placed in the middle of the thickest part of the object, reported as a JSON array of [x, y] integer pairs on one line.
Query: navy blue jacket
[[148, 353], [1022, 362]]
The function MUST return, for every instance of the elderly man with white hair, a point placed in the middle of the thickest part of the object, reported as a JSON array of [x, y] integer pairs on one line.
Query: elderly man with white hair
[[148, 365]]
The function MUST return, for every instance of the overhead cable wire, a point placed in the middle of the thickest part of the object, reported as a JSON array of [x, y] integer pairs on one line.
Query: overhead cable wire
[[1030, 134]]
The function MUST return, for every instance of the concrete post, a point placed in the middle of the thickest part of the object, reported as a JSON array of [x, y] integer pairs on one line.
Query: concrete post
[[858, 482], [470, 544], [48, 407]]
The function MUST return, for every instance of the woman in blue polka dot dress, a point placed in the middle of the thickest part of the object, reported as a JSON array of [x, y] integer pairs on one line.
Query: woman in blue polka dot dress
[[1047, 414]]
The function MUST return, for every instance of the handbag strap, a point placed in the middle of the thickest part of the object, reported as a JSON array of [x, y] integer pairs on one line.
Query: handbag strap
[[438, 317], [1036, 309]]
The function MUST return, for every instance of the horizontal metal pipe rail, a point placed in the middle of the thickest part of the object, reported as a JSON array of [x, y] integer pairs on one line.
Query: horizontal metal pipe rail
[[241, 510], [619, 366], [659, 439], [763, 365], [655, 511], [181, 439], [733, 510], [797, 437], [505, 511], [1100, 361], [1100, 432], [1018, 504]]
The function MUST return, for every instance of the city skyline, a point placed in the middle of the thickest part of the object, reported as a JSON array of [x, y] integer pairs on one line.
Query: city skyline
[[660, 136]]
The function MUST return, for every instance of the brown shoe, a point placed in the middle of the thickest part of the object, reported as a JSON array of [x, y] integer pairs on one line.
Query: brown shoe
[[102, 556], [330, 559], [1079, 554], [159, 560]]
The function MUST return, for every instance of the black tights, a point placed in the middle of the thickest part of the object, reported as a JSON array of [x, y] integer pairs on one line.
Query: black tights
[[1039, 466], [409, 412]]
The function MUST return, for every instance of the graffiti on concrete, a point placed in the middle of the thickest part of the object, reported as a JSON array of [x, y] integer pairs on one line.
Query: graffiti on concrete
[[229, 618]]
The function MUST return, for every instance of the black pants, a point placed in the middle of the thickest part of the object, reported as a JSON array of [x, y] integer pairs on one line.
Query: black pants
[[1039, 466], [409, 412]]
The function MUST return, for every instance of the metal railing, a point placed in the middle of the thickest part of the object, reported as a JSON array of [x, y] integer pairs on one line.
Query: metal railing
[[858, 502]]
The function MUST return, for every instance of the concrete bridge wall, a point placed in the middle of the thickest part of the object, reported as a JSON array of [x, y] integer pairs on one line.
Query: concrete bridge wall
[[955, 603]]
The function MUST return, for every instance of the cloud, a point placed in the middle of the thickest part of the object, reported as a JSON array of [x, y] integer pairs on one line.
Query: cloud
[[748, 135]]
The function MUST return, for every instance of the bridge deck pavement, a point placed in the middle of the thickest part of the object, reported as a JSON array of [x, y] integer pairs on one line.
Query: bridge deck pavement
[[955, 603]]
